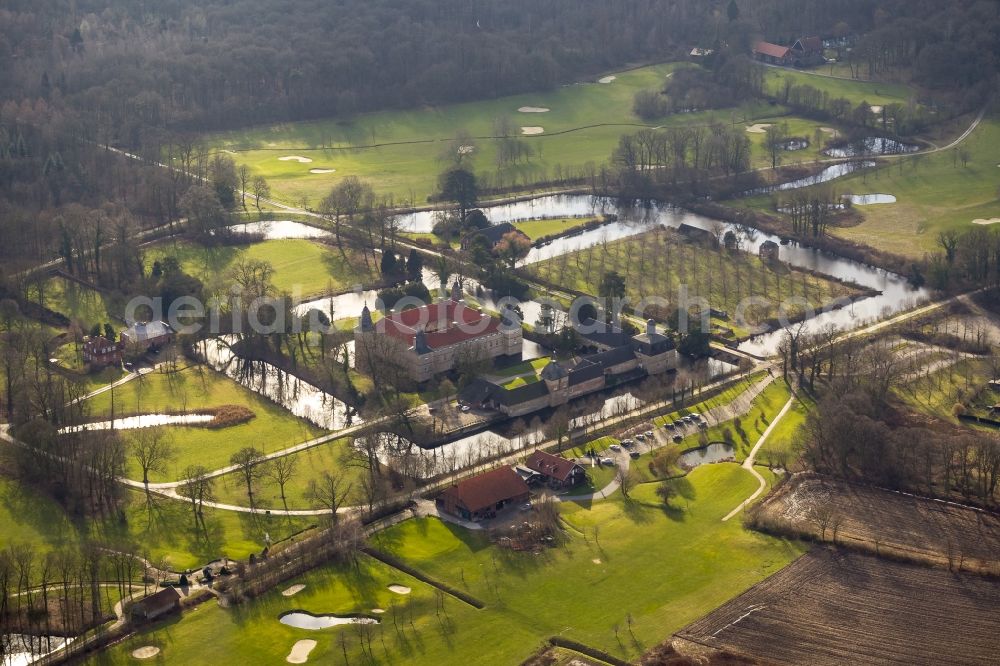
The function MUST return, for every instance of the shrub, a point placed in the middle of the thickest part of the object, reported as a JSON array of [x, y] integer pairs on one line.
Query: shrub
[[229, 415]]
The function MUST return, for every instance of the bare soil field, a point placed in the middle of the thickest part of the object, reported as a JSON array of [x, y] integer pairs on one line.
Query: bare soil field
[[885, 523], [839, 607]]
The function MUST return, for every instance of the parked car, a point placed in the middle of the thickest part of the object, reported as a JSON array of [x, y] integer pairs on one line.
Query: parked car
[[678, 438], [649, 433], [702, 426], [466, 408], [679, 423], [640, 437], [635, 454], [628, 443], [608, 461], [668, 426], [526, 506], [615, 448]]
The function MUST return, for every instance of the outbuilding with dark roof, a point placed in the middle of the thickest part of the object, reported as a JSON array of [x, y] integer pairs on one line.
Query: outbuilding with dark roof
[[558, 472]]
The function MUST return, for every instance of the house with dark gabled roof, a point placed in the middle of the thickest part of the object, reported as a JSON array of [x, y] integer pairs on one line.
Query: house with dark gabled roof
[[807, 51], [155, 605], [480, 497], [557, 471], [492, 235]]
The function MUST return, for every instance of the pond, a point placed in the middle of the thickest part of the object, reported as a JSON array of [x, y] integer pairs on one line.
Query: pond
[[297, 396], [22, 650], [870, 146], [869, 199], [713, 453], [279, 229], [144, 421], [306, 620], [829, 173]]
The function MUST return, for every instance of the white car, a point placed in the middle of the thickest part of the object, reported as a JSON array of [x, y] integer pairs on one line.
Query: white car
[[608, 461], [615, 448], [466, 409]]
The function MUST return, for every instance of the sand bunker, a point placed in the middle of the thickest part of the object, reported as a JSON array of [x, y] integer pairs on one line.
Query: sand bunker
[[300, 652], [532, 130], [606, 79], [378, 611], [146, 652], [293, 590], [294, 158], [321, 170], [399, 589], [596, 560], [992, 220], [876, 109], [758, 128], [465, 150], [533, 109]]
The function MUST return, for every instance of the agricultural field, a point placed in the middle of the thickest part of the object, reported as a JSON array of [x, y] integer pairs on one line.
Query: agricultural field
[[838, 607], [695, 563], [657, 263], [403, 151], [934, 192], [302, 267], [188, 390], [883, 522]]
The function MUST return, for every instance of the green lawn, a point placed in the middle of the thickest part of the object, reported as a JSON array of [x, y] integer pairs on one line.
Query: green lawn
[[934, 192], [779, 449], [335, 457], [163, 530], [528, 367], [80, 304], [402, 152], [938, 393], [535, 229], [657, 264], [272, 429], [873, 92], [300, 266], [664, 567], [724, 397]]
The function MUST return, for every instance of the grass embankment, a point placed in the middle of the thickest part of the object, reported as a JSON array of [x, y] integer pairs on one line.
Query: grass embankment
[[664, 567], [779, 449], [80, 304], [535, 229], [300, 266], [164, 530], [402, 152], [657, 264], [190, 389]]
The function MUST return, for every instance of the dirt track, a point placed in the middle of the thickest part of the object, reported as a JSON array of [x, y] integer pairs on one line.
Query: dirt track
[[834, 607]]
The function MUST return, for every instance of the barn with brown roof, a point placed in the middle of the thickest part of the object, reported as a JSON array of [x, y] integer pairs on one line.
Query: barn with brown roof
[[480, 497], [558, 472], [772, 53]]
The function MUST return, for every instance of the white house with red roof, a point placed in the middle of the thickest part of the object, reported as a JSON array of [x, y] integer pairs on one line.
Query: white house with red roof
[[430, 339]]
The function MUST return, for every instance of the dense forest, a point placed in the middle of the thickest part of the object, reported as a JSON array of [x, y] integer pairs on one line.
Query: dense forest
[[142, 75]]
